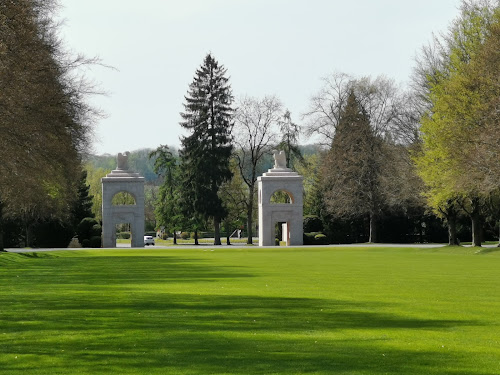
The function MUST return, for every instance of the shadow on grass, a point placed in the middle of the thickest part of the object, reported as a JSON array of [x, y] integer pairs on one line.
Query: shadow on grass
[[488, 250], [114, 329]]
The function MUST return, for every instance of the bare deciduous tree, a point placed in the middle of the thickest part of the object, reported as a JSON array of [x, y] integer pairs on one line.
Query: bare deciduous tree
[[385, 103], [256, 134]]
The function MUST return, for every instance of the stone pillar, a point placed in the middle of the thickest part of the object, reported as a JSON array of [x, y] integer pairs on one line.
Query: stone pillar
[[284, 179], [122, 180]]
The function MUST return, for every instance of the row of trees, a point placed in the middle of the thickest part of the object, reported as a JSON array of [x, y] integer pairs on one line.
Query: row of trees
[[45, 123], [457, 79], [387, 152], [431, 149], [215, 174]]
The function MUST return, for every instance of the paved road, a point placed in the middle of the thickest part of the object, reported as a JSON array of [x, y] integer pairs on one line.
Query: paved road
[[236, 246]]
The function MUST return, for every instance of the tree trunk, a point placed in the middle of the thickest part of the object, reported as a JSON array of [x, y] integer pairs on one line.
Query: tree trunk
[[196, 237], [452, 231], [27, 234], [1, 229], [228, 234], [373, 228], [250, 215], [217, 231], [421, 232], [498, 233], [175, 237], [2, 248], [476, 229]]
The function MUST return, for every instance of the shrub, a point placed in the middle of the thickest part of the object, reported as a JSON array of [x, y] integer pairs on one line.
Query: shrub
[[95, 241], [315, 238], [52, 233], [320, 239], [85, 230], [309, 238], [96, 230], [184, 235], [86, 242], [124, 235], [312, 223]]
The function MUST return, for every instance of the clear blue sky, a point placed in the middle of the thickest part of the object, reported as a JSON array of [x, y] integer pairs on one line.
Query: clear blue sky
[[280, 47]]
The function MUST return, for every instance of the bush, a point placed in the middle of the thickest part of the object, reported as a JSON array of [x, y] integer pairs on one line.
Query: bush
[[312, 223], [320, 239], [52, 233], [315, 238], [85, 230], [123, 235], [96, 230], [86, 242], [95, 241], [309, 238], [165, 236], [184, 235]]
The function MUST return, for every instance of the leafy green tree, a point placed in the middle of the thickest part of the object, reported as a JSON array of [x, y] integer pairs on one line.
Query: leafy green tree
[[313, 193], [94, 176], [167, 210], [206, 152], [234, 197], [45, 120], [456, 92]]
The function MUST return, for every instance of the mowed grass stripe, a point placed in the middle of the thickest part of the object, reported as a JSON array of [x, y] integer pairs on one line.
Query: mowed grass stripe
[[251, 311]]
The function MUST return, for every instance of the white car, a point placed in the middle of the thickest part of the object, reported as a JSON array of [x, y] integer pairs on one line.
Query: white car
[[149, 240]]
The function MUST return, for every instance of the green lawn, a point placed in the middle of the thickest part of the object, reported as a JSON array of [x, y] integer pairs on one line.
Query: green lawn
[[251, 311]]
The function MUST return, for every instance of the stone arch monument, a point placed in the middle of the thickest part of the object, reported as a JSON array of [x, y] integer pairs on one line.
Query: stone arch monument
[[122, 180], [280, 178]]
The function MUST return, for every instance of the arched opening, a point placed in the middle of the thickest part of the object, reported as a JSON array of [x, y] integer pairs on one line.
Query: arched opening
[[281, 197], [123, 198], [123, 235]]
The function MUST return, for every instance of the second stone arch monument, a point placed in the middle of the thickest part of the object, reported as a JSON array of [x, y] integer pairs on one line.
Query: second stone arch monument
[[280, 178], [121, 180]]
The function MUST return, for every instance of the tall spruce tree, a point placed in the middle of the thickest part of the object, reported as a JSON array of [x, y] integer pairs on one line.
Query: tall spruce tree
[[82, 207], [206, 152]]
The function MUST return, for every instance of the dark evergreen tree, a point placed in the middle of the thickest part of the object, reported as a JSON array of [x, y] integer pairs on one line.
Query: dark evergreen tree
[[206, 152], [82, 207], [351, 169]]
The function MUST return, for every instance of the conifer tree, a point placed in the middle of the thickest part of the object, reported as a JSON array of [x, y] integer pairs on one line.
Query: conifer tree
[[82, 207], [352, 167], [290, 140], [206, 152]]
